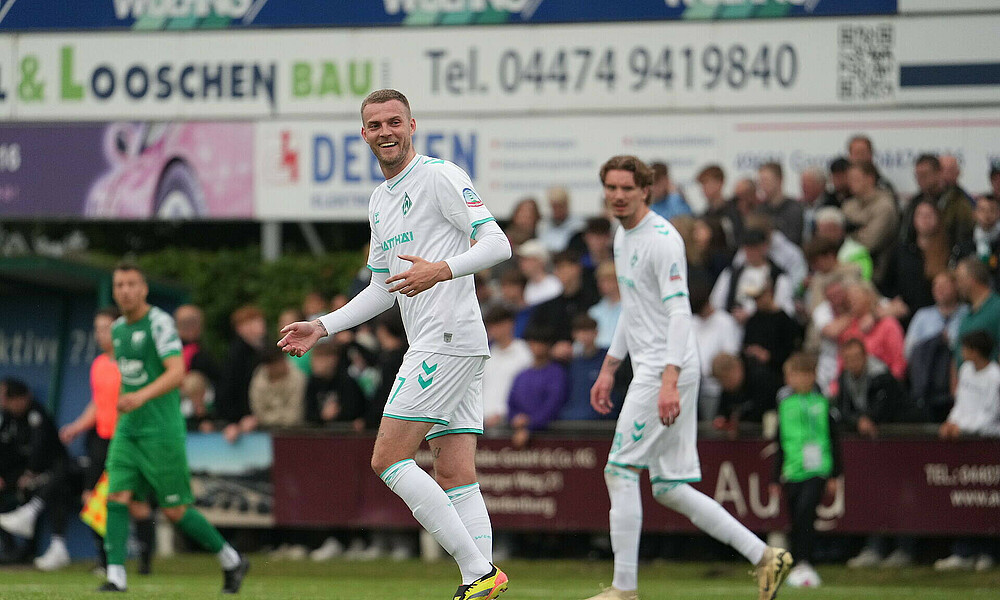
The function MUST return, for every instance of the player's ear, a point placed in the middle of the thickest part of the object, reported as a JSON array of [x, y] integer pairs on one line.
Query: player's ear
[[413, 125]]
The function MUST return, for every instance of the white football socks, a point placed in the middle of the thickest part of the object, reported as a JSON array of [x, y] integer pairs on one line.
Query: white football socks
[[116, 575], [709, 516], [471, 508], [229, 558], [433, 510], [626, 525]]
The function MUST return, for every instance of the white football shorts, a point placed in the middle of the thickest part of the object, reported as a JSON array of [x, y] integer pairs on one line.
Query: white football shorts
[[643, 441], [440, 389]]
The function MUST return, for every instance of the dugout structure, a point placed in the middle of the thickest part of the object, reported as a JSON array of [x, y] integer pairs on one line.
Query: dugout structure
[[46, 321]]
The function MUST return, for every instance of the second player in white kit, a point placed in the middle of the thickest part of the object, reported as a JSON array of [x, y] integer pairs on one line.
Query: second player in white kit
[[657, 427]]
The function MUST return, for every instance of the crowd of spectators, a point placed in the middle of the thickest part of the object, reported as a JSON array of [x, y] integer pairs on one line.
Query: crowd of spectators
[[896, 297], [880, 287]]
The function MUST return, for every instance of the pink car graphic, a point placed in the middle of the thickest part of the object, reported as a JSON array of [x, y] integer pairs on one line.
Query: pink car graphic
[[175, 171]]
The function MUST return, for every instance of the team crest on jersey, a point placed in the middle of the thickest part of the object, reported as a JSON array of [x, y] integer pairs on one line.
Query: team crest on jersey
[[675, 272], [635, 259], [471, 199], [138, 337], [407, 203]]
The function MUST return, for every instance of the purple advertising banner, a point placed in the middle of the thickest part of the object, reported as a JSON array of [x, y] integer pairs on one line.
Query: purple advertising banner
[[192, 170], [893, 486]]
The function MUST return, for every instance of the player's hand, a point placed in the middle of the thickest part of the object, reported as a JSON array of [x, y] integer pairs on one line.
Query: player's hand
[[600, 393], [422, 276], [129, 402], [299, 337], [669, 404]]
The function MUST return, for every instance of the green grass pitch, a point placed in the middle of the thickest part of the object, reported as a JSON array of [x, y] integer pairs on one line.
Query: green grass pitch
[[197, 576]]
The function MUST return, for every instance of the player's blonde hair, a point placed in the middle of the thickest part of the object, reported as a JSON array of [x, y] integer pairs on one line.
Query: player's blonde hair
[[383, 96]]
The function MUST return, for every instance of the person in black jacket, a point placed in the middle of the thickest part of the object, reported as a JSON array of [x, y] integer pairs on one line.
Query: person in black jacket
[[579, 293], [769, 339], [868, 395], [190, 321], [332, 395], [232, 402], [34, 467], [392, 342]]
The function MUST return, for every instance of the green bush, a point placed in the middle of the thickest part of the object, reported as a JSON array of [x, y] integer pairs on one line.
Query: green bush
[[222, 280]]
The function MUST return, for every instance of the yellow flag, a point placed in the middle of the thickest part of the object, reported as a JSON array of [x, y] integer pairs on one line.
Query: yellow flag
[[95, 512]]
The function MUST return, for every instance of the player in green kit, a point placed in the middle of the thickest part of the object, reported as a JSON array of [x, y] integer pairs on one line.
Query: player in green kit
[[147, 453]]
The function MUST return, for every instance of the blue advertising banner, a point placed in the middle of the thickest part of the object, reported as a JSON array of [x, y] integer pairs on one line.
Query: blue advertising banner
[[221, 14]]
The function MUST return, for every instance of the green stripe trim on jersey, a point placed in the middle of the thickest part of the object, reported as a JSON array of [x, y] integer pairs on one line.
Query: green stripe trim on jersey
[[627, 466], [476, 225], [653, 480], [447, 431], [171, 353], [398, 181], [419, 419], [673, 296], [376, 270], [461, 487]]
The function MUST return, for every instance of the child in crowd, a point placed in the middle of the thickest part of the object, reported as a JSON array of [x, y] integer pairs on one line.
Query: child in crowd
[[583, 370], [538, 392], [808, 460], [331, 394]]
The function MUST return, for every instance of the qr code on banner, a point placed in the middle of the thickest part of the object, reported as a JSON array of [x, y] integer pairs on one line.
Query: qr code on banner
[[866, 65]]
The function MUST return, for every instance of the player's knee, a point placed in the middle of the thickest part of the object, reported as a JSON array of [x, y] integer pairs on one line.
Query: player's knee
[[666, 493], [381, 462], [140, 510], [453, 479], [123, 497], [617, 476], [175, 513]]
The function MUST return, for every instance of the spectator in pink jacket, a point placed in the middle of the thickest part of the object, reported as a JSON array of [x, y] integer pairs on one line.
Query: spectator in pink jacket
[[882, 335]]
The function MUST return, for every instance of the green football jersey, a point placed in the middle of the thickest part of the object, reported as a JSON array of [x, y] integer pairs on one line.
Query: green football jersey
[[140, 349]]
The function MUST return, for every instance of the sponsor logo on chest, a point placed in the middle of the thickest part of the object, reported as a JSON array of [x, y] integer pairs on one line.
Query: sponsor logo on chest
[[399, 238]]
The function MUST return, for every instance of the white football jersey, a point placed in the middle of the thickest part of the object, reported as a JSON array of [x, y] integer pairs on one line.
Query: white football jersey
[[431, 210], [652, 268]]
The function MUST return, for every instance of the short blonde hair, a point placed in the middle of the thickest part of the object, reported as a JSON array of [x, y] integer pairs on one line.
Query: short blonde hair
[[383, 96]]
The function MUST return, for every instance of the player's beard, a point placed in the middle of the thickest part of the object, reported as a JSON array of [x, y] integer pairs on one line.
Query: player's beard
[[403, 146]]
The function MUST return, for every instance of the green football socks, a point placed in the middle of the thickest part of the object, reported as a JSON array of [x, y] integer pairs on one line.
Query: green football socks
[[194, 524], [116, 538]]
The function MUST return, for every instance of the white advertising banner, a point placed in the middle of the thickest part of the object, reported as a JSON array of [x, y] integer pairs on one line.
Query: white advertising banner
[[485, 71], [947, 6], [323, 170]]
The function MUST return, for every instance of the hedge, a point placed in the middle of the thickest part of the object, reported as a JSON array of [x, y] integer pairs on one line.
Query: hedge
[[222, 280]]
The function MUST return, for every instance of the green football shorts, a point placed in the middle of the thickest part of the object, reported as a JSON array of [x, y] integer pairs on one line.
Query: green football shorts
[[150, 464]]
